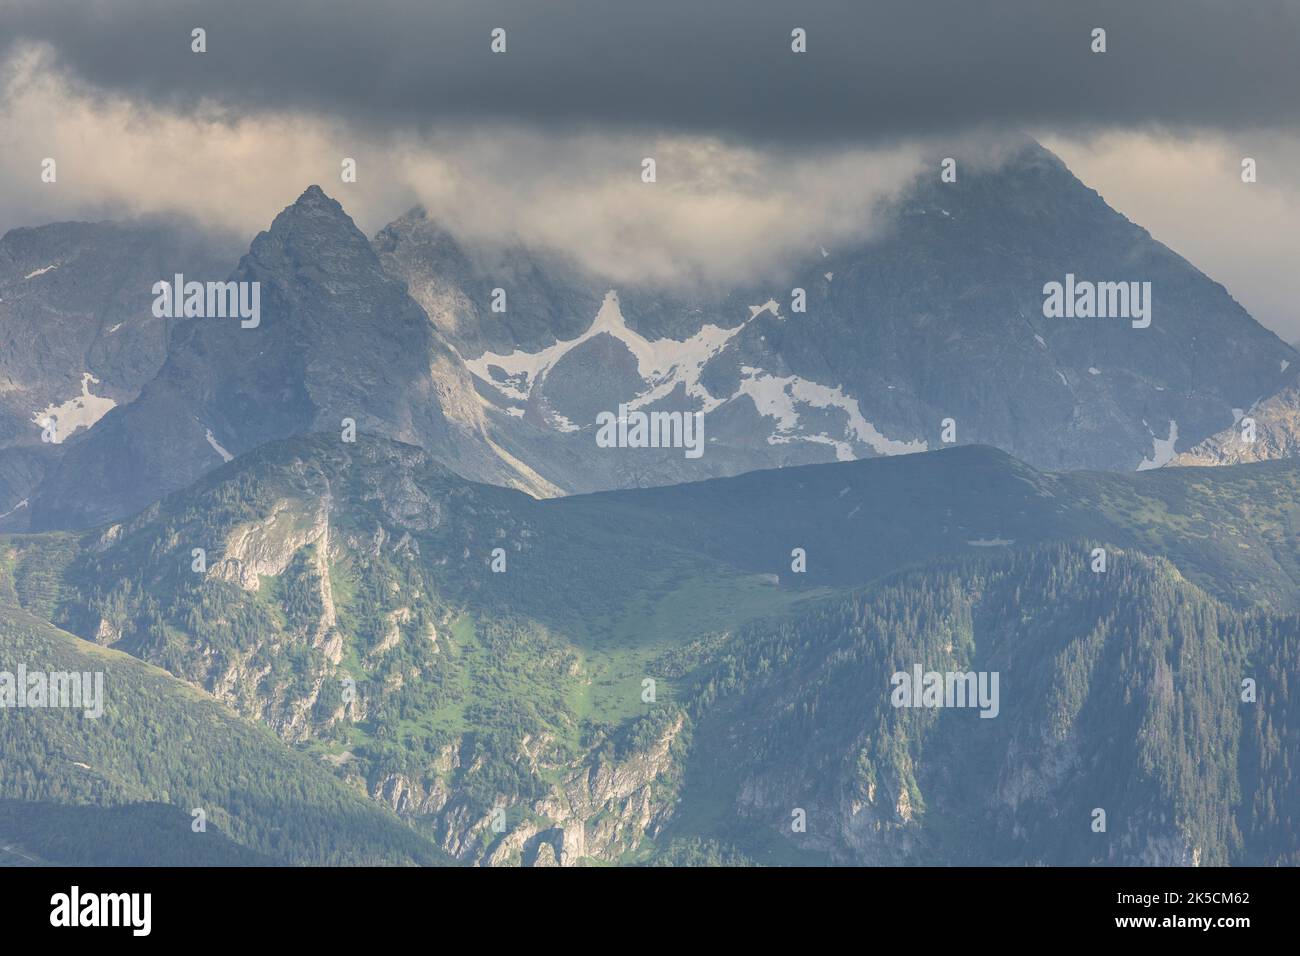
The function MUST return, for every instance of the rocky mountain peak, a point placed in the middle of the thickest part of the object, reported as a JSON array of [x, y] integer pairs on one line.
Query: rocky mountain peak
[[314, 231]]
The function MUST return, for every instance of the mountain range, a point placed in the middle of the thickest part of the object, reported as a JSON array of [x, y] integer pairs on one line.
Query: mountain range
[[366, 586], [932, 332]]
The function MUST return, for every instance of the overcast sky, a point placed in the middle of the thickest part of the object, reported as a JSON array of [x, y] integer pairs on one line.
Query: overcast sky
[[769, 149]]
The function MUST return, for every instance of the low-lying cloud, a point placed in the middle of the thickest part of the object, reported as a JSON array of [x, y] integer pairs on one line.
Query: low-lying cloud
[[718, 212], [761, 154]]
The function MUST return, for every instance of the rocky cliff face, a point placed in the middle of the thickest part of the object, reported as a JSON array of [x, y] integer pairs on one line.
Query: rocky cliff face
[[601, 809], [75, 300], [1268, 429], [604, 809], [77, 334]]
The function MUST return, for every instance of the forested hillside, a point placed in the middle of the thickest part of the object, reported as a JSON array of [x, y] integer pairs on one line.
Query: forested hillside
[[1120, 690], [160, 741], [669, 674]]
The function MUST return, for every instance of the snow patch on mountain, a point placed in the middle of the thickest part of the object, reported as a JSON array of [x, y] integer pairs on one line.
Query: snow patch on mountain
[[560, 423], [667, 364], [21, 504], [1164, 449], [661, 363], [80, 411], [776, 397], [216, 446]]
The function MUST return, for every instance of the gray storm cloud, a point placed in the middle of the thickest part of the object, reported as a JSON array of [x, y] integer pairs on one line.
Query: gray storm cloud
[[888, 68]]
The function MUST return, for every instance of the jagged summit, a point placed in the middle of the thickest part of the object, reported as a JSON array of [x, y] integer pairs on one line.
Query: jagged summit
[[337, 338], [314, 202], [317, 225]]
